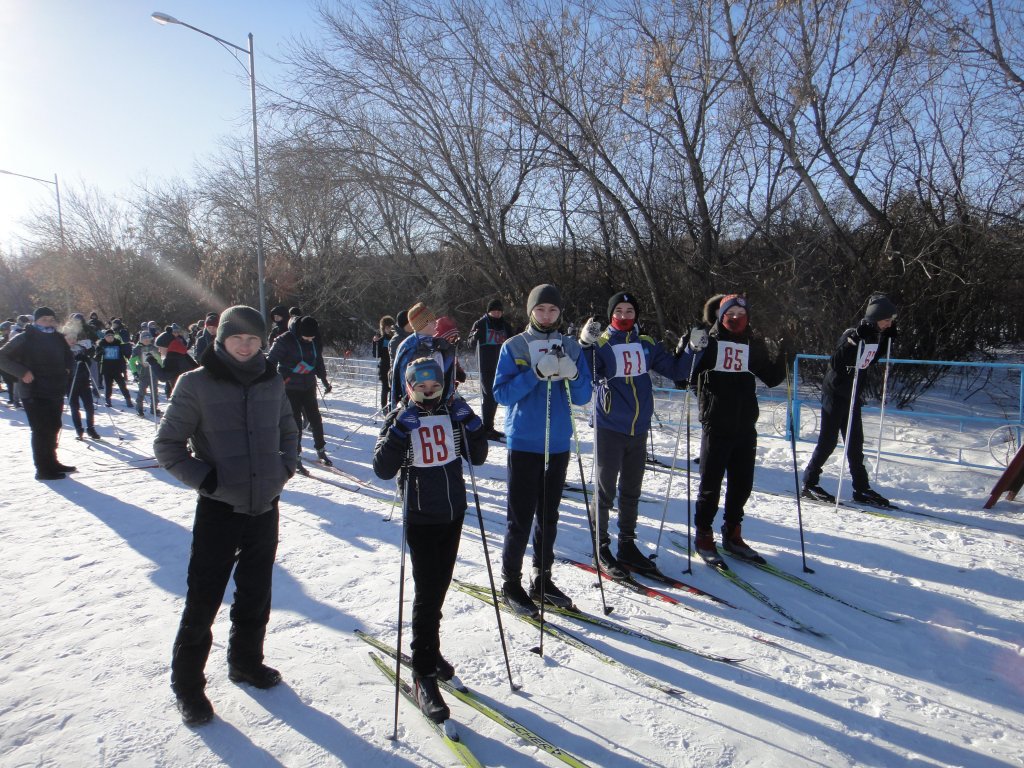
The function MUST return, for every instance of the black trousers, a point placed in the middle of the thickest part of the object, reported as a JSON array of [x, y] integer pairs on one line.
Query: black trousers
[[115, 374], [304, 402], [9, 381], [80, 398], [433, 550], [833, 422], [487, 359], [620, 459], [44, 419], [384, 374], [223, 540], [721, 455], [525, 508]]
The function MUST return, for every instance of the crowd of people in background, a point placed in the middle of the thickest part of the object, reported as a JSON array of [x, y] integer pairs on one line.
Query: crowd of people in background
[[242, 390]]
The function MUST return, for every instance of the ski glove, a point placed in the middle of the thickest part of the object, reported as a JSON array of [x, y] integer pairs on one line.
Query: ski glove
[[407, 422], [327, 387], [590, 333], [567, 368], [547, 367], [463, 414], [698, 339]]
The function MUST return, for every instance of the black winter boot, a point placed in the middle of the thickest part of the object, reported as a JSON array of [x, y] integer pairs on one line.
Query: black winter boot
[[260, 676], [194, 707], [428, 696]]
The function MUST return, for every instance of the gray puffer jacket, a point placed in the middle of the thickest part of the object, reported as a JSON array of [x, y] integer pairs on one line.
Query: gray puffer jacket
[[246, 433]]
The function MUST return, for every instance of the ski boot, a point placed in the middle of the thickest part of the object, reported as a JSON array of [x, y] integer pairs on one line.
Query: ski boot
[[323, 458], [632, 558], [91, 432], [260, 676], [301, 469], [428, 697], [871, 498], [817, 493], [733, 542], [515, 597], [608, 563], [194, 707], [704, 544], [552, 594]]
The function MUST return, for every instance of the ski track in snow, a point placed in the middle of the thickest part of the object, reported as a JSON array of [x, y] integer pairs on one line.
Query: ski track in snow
[[93, 579]]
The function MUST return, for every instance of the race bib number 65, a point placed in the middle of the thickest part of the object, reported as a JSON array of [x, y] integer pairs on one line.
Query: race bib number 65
[[732, 358], [433, 442]]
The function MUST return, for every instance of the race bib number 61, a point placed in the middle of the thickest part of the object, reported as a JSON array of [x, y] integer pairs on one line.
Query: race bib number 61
[[433, 442], [629, 360], [732, 358]]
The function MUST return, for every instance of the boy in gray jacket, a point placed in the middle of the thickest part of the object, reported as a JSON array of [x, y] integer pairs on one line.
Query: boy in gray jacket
[[234, 415]]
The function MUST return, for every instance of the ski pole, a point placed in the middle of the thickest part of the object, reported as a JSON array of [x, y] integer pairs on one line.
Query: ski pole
[[586, 500], [152, 394], [675, 455], [689, 505], [487, 560], [542, 539], [849, 423], [401, 597], [796, 477], [881, 415]]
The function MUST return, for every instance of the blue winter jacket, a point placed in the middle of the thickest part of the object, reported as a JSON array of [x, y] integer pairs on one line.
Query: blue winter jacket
[[625, 395], [518, 387]]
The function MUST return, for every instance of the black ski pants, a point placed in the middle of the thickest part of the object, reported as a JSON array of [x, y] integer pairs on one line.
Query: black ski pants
[[384, 374], [721, 455], [304, 403], [487, 359], [833, 423], [147, 385], [620, 459], [112, 374], [222, 540], [10, 382], [44, 420], [433, 550], [80, 398], [532, 501]]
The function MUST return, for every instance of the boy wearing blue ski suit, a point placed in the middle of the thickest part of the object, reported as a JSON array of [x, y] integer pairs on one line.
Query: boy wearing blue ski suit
[[533, 367], [622, 361]]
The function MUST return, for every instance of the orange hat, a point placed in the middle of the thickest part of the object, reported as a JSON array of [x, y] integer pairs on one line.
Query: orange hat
[[419, 316]]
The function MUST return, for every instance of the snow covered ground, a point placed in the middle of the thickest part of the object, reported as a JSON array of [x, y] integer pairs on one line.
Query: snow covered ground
[[92, 579]]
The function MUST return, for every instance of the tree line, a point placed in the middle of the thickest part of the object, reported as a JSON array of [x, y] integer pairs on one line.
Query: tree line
[[454, 151]]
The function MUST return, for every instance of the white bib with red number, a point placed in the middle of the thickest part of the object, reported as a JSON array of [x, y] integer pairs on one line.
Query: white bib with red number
[[867, 355], [540, 347], [732, 357], [433, 442], [630, 360]]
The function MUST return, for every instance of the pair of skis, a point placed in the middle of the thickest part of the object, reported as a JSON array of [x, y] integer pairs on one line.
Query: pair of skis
[[450, 734]]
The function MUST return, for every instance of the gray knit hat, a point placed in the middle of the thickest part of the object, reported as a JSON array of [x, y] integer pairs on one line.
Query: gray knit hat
[[543, 294], [241, 319]]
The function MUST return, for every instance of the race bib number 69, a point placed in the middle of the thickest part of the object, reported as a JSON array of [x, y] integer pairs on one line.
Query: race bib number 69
[[433, 442], [732, 358]]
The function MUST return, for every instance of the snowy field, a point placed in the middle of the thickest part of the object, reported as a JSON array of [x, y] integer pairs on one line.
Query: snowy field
[[92, 580]]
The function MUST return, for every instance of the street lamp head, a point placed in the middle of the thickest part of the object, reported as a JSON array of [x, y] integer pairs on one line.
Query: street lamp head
[[163, 18]]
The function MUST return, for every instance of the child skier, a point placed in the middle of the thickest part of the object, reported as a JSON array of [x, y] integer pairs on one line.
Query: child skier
[[622, 361], [728, 415], [424, 438], [533, 367], [142, 355], [870, 338], [113, 353], [80, 383]]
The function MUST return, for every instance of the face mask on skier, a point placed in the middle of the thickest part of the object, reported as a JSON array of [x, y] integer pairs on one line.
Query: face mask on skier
[[424, 382]]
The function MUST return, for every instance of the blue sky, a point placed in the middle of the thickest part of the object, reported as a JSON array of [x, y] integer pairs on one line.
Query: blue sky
[[98, 93]]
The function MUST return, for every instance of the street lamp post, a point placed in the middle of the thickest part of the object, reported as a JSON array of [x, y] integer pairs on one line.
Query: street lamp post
[[163, 18], [56, 184]]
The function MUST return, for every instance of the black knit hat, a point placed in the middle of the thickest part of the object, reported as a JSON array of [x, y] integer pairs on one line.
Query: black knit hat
[[623, 297], [241, 320], [307, 326], [43, 312], [294, 312], [495, 305], [879, 308], [543, 294], [402, 318]]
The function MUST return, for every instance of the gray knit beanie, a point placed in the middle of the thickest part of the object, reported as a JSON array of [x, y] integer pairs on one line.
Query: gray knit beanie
[[241, 319]]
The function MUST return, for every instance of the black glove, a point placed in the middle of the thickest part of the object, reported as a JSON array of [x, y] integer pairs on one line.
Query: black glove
[[209, 483], [327, 387], [408, 420]]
